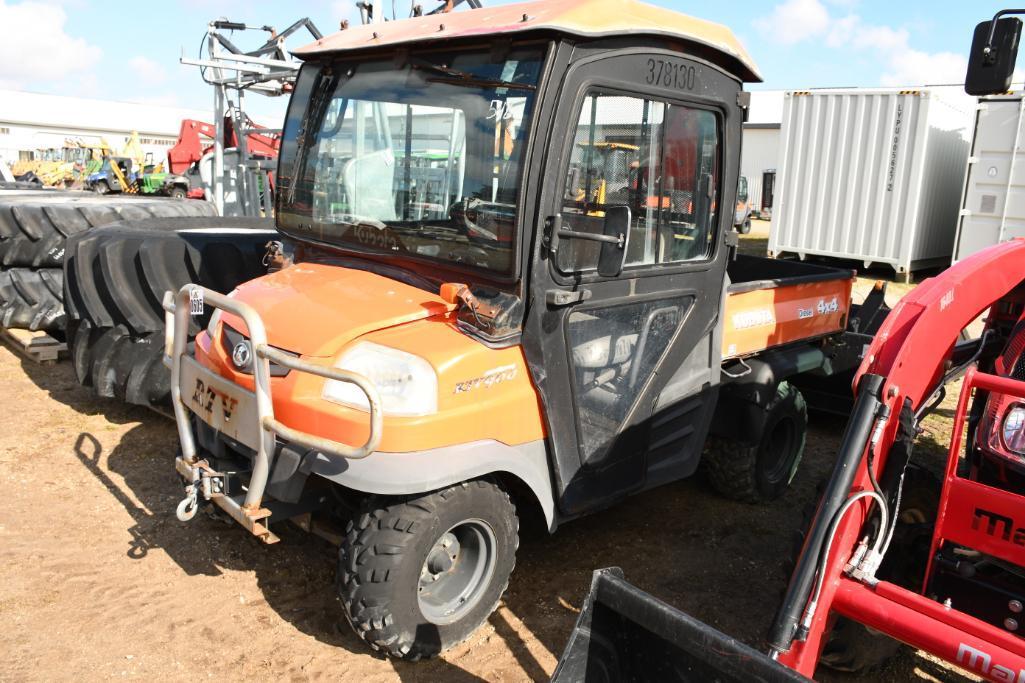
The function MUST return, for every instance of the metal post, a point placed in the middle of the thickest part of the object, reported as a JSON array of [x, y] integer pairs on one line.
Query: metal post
[[217, 182]]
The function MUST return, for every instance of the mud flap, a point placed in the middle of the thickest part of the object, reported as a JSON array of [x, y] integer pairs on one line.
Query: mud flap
[[625, 634]]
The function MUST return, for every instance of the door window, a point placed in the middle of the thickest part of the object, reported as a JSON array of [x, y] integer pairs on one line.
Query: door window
[[659, 159], [613, 352]]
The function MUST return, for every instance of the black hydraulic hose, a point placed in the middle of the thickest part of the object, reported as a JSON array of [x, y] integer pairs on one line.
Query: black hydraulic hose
[[856, 437]]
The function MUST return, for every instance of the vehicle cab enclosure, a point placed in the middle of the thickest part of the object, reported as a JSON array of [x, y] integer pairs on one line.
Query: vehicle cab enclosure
[[573, 179]]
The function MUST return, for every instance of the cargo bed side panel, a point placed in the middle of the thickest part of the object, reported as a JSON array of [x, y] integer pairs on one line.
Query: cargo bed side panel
[[760, 319]]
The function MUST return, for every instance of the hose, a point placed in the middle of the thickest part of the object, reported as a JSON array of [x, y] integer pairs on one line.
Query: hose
[[820, 578]]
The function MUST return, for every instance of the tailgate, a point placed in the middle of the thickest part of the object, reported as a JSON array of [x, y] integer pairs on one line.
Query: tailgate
[[788, 302]]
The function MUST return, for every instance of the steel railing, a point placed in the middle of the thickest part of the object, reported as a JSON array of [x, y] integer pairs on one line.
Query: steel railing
[[178, 313]]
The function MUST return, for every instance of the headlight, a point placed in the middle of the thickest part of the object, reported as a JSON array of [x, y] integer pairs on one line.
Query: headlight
[[1013, 430], [407, 384]]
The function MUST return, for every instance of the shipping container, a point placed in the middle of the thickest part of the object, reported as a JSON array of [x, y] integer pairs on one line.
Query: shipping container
[[993, 203], [873, 176]]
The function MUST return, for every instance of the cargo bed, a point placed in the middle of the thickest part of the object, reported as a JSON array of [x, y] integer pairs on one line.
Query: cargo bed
[[772, 302]]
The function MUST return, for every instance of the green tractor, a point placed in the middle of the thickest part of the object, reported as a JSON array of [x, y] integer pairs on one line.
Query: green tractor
[[168, 184]]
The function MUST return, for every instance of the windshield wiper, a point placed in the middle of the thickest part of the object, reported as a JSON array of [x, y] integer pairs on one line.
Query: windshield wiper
[[457, 77]]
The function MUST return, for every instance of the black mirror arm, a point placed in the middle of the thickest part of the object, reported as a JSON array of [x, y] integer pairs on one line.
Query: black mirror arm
[[594, 237], [993, 28]]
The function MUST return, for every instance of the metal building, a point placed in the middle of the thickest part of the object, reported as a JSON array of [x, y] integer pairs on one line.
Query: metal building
[[760, 150], [36, 126]]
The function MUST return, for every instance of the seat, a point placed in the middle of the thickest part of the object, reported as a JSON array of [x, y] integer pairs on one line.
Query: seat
[[598, 343]]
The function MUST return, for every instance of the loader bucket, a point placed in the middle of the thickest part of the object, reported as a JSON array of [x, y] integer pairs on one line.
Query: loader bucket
[[625, 634]]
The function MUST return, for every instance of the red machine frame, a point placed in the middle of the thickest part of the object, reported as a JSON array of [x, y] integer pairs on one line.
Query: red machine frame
[[909, 352], [189, 148]]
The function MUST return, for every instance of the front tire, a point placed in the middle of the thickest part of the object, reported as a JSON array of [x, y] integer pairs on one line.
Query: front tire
[[419, 574], [760, 470], [852, 647]]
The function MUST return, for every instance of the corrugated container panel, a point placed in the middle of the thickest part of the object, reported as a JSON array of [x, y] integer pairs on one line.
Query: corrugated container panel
[[993, 203], [872, 176]]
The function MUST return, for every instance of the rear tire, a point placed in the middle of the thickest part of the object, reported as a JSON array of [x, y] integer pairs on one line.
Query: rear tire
[[761, 471], [400, 587], [177, 193], [745, 227]]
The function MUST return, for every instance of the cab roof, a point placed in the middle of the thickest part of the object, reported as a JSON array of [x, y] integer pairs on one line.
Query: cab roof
[[584, 18]]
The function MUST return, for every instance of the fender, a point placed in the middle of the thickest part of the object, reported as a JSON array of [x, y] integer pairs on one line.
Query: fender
[[418, 472], [742, 399]]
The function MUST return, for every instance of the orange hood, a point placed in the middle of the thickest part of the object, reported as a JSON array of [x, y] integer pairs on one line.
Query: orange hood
[[315, 309]]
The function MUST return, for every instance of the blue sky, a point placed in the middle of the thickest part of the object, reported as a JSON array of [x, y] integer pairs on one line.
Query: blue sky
[[130, 51]]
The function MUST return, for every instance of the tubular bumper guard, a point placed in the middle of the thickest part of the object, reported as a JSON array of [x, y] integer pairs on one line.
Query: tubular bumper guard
[[260, 434]]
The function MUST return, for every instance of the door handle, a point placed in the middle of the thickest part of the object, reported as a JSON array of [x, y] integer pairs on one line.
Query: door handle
[[562, 297]]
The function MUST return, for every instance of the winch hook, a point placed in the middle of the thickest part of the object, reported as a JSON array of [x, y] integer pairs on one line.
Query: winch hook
[[186, 509]]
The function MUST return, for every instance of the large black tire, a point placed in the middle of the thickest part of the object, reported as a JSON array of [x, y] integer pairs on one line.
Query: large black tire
[[389, 555], [851, 647], [759, 471], [115, 279], [32, 299], [22, 185], [116, 364], [34, 226]]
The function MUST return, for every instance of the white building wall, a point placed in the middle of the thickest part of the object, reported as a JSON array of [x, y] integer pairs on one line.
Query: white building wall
[[31, 122], [759, 154]]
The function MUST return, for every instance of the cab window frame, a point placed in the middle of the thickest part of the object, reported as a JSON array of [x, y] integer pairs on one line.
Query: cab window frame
[[668, 99]]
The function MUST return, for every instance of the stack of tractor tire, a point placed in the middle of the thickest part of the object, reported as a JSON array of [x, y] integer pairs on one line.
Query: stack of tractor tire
[[115, 280], [34, 228]]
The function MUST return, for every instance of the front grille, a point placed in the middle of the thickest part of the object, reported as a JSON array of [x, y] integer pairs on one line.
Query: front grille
[[230, 338]]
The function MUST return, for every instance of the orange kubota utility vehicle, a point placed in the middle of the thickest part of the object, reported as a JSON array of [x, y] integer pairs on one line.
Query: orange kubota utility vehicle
[[461, 337]]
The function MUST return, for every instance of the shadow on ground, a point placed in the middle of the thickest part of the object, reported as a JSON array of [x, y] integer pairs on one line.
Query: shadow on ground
[[720, 561]]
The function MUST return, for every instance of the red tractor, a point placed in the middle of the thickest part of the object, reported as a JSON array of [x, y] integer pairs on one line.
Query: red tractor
[[183, 157], [892, 554]]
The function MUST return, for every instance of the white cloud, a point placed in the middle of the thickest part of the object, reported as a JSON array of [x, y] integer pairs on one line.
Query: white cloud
[[794, 21], [35, 48], [914, 67], [148, 71], [841, 30]]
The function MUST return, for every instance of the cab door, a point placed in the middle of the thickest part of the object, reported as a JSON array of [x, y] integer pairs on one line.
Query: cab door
[[627, 364]]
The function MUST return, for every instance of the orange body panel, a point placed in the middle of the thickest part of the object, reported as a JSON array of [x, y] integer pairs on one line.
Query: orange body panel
[[763, 318], [315, 309], [483, 393]]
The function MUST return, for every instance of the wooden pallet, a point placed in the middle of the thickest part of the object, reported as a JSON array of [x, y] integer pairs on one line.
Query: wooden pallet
[[37, 346]]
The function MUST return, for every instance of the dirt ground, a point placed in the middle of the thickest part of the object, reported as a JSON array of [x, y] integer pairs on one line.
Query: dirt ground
[[99, 580]]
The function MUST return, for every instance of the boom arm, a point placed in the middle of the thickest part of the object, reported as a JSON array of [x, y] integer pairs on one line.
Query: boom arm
[[906, 361], [190, 147]]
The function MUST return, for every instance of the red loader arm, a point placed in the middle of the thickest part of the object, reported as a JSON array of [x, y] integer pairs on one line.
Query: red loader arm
[[902, 368]]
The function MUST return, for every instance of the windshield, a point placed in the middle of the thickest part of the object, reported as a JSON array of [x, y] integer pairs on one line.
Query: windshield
[[421, 159]]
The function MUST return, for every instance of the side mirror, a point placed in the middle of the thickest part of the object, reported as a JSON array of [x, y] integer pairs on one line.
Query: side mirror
[[612, 256], [991, 60]]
